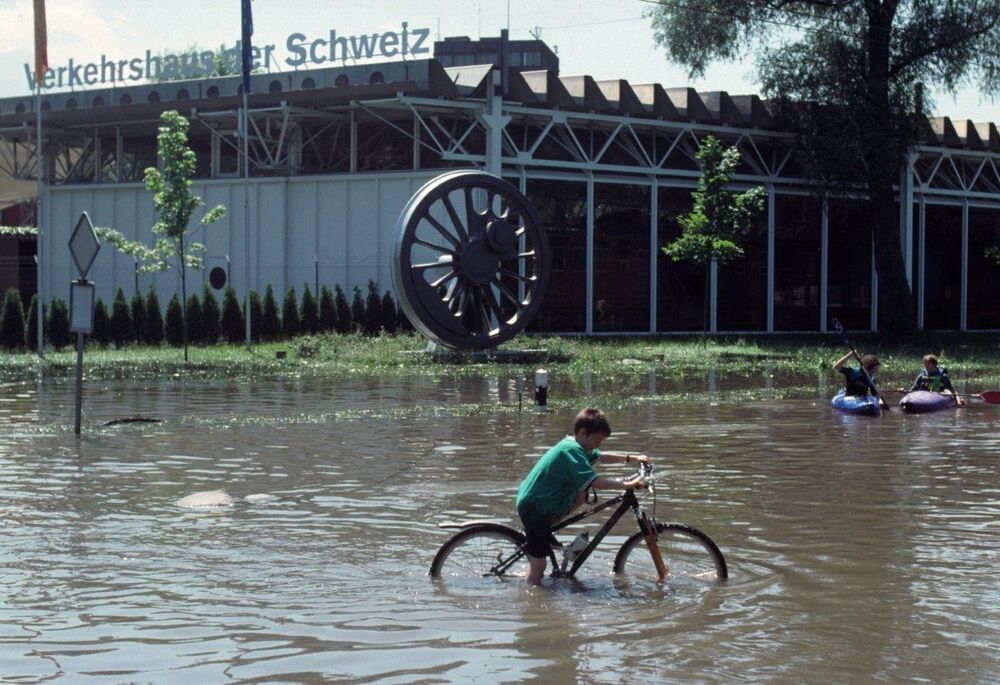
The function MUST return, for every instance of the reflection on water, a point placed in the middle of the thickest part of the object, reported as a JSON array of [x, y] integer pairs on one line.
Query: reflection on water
[[859, 548]]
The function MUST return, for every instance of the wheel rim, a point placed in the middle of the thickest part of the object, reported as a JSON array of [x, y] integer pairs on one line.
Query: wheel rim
[[690, 562], [470, 560], [471, 260]]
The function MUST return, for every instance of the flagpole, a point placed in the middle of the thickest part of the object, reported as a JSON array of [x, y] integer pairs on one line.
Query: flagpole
[[246, 216], [40, 173]]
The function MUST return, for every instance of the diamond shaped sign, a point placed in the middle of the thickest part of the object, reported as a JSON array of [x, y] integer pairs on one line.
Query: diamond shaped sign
[[83, 245]]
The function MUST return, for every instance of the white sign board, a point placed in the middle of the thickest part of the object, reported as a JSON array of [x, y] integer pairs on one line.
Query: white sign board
[[82, 298]]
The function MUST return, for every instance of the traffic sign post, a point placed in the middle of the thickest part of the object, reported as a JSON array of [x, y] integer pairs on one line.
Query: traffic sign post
[[83, 246]]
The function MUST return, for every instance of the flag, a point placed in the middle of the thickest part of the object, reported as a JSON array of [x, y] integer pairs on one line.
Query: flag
[[247, 45], [41, 43]]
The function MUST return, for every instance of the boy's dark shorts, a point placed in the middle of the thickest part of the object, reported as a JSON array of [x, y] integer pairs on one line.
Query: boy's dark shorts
[[539, 542]]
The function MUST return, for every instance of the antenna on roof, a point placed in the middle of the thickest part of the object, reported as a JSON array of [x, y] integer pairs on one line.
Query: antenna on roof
[[537, 33], [439, 30]]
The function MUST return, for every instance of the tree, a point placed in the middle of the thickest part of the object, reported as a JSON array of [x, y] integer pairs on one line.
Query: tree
[[193, 323], [175, 204], [102, 323], [271, 323], [137, 308], [174, 326], [719, 218], [850, 69], [290, 314], [12, 321], [154, 319], [122, 331], [388, 313], [256, 318], [58, 324], [30, 334], [373, 309], [233, 323], [343, 310], [210, 316], [327, 310], [358, 319], [309, 318]]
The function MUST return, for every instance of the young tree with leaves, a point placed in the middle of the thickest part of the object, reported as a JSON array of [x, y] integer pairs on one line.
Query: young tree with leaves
[[712, 230], [850, 67]]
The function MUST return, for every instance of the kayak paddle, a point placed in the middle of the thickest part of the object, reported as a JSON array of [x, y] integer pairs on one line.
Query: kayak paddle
[[871, 384]]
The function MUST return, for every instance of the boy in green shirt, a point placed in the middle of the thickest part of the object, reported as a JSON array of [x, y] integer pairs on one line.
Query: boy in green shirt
[[558, 484]]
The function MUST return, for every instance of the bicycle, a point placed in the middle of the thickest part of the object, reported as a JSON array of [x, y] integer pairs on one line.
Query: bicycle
[[676, 551]]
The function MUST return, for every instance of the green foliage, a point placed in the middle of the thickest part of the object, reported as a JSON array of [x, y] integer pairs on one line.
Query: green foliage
[[57, 324], [256, 318], [193, 321], [102, 323], [174, 326], [154, 318], [327, 310], [137, 309], [271, 324], [389, 313], [233, 323], [290, 315], [358, 314], [122, 331], [31, 325], [210, 315], [373, 309], [343, 322], [12, 321], [309, 318], [720, 217]]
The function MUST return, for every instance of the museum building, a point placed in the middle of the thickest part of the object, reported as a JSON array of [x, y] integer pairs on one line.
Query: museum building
[[336, 152]]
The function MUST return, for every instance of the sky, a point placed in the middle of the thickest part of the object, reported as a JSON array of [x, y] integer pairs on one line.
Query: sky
[[602, 38]]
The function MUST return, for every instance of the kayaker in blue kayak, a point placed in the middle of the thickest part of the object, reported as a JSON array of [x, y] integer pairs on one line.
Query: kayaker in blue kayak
[[855, 383], [934, 379]]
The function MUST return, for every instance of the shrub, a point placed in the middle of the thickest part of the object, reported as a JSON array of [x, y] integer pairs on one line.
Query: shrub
[[373, 310], [137, 308], [309, 320], [233, 323], [193, 313], [358, 318], [271, 328], [210, 315], [58, 325], [12, 321], [343, 322], [154, 319], [102, 323], [290, 315], [174, 327], [31, 325], [388, 313], [327, 310], [256, 317]]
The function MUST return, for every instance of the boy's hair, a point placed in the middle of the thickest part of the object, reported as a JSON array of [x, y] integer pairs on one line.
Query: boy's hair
[[870, 360], [932, 358], [592, 421]]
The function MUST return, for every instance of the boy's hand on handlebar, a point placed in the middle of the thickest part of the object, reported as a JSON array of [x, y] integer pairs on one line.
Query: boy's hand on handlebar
[[635, 483]]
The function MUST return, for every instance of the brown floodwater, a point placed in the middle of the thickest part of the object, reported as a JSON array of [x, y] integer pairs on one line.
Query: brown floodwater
[[859, 549]]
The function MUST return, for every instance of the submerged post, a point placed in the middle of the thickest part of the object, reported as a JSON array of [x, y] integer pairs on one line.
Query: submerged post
[[83, 246]]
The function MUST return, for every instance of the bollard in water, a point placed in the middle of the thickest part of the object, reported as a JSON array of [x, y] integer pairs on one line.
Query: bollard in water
[[541, 387]]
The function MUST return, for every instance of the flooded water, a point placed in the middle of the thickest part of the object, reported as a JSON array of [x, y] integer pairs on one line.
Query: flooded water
[[859, 549]]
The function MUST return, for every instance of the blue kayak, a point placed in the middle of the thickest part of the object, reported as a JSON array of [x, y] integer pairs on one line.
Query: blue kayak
[[855, 404], [922, 402]]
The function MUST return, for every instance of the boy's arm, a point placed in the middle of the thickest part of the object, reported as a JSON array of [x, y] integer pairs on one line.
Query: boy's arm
[[916, 383], [839, 364], [624, 457], [602, 483]]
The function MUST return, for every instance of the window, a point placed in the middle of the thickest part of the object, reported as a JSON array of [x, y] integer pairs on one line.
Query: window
[[274, 87]]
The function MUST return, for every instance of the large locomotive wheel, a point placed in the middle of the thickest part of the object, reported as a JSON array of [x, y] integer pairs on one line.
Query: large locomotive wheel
[[471, 260]]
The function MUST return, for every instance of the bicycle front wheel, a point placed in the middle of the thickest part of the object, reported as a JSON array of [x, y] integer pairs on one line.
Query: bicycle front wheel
[[480, 551], [692, 558]]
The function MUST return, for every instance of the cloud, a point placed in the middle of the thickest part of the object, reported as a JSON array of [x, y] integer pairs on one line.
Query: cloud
[[77, 28]]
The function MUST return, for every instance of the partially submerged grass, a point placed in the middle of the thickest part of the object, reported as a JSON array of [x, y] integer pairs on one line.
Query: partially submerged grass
[[785, 360]]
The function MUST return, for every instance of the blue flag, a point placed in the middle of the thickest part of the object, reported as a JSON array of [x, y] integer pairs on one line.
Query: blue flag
[[247, 44]]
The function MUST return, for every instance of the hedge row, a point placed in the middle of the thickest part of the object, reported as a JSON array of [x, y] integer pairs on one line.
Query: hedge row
[[141, 320]]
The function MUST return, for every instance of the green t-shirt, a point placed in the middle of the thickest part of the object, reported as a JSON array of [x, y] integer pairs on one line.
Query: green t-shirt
[[552, 486]]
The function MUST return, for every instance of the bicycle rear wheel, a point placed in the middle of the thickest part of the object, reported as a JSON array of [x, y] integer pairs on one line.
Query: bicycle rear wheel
[[475, 552], [690, 555]]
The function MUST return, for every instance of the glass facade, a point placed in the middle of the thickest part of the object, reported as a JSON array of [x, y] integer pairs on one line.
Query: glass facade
[[943, 268], [984, 272], [563, 209], [849, 264], [680, 296], [742, 296], [797, 262], [621, 258]]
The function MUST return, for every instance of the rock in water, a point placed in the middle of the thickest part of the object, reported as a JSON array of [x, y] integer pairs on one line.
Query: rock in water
[[206, 500]]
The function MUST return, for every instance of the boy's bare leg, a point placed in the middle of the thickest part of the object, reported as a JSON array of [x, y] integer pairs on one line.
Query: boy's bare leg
[[536, 570]]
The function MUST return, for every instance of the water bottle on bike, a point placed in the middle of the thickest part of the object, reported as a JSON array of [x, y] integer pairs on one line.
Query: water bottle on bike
[[571, 552]]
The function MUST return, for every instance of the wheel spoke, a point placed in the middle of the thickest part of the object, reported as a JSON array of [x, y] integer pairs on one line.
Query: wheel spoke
[[463, 234], [506, 293], [444, 261], [442, 230], [433, 246], [492, 304], [514, 274], [443, 279]]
